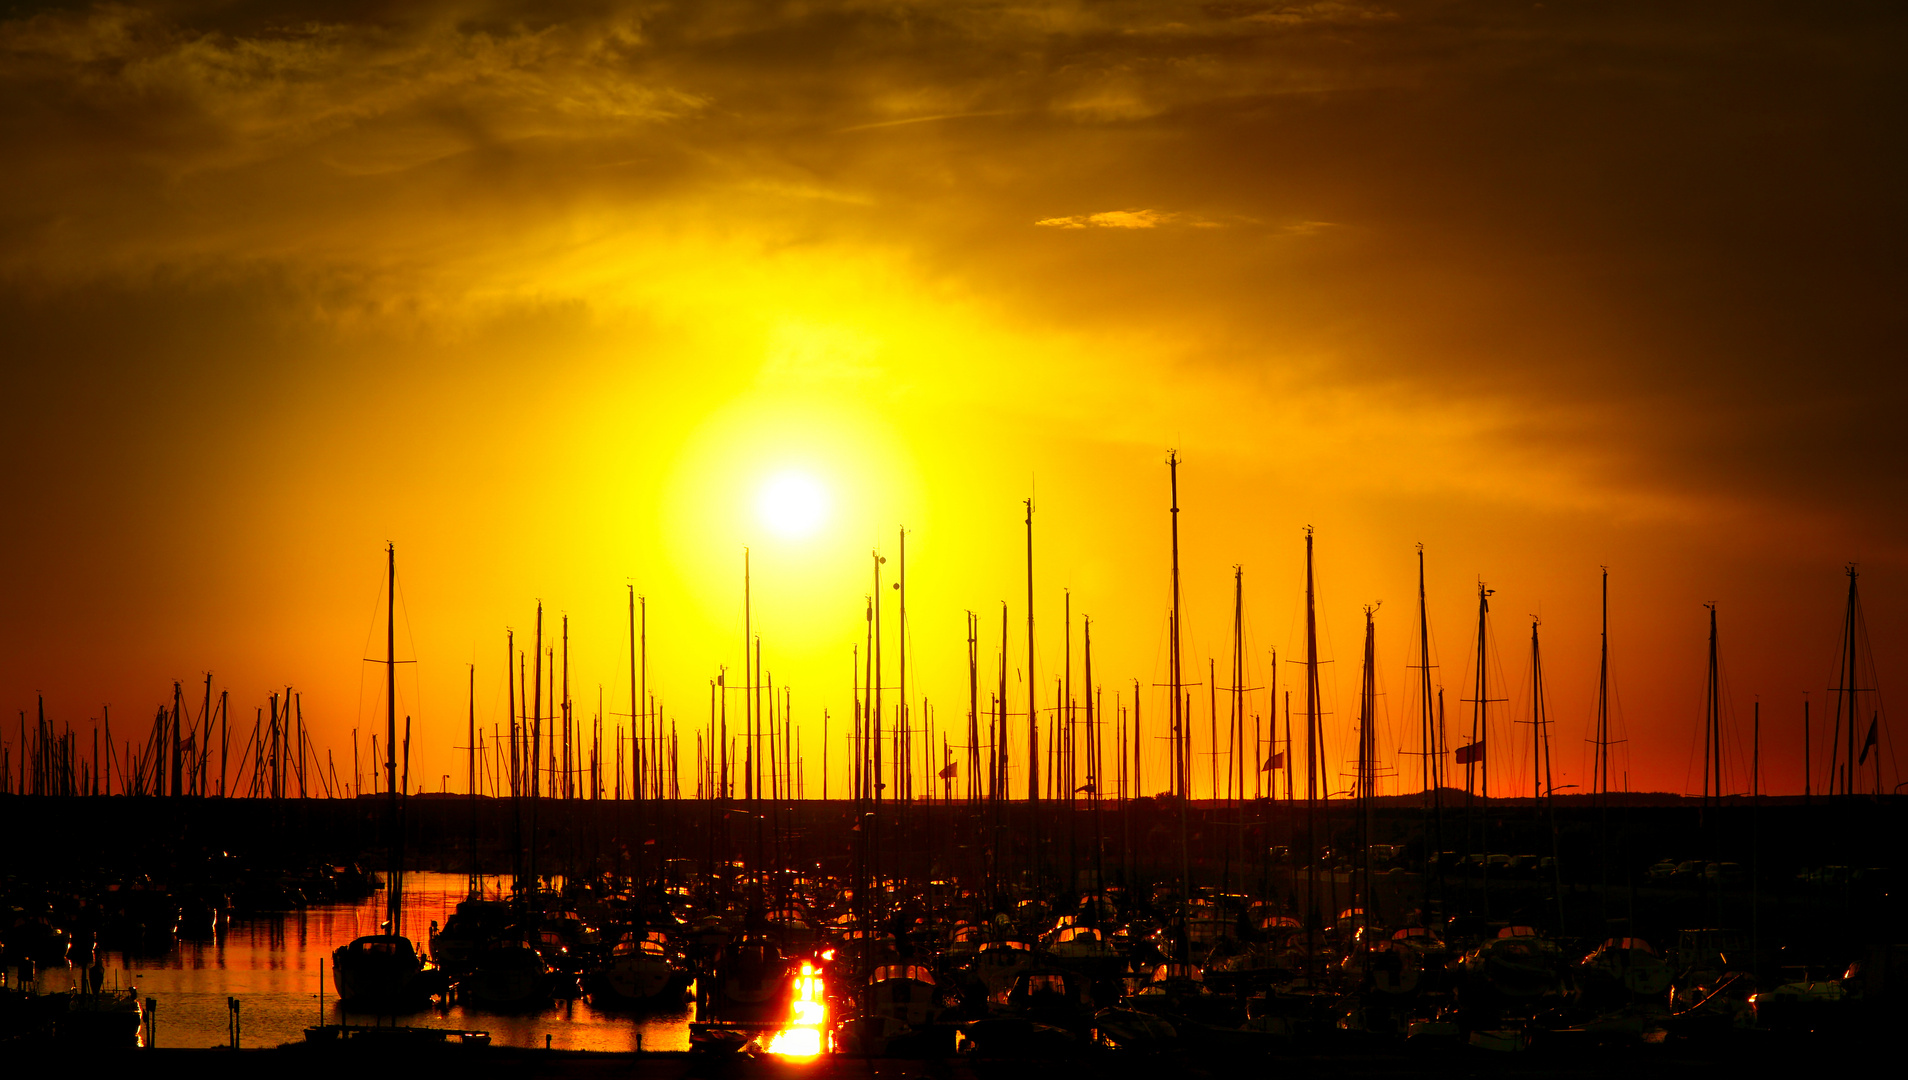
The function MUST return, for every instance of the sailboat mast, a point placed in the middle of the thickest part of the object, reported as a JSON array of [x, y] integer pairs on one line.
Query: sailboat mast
[[1181, 707], [1314, 758], [1848, 681], [1432, 738], [638, 729], [874, 681], [1093, 760], [652, 717], [973, 712], [395, 883], [1000, 789], [535, 760], [1712, 722], [470, 750], [1367, 768], [903, 759], [1433, 760], [1542, 782], [1182, 776], [572, 748], [1536, 718], [748, 709], [1033, 704], [1237, 718], [1479, 756], [1139, 789], [1603, 699]]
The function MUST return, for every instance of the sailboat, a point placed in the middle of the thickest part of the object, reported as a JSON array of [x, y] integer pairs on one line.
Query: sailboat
[[384, 971]]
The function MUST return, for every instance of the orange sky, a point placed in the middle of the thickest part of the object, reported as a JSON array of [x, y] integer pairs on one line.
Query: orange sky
[[545, 294]]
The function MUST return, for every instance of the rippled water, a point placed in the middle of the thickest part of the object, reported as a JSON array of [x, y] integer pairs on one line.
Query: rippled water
[[271, 965]]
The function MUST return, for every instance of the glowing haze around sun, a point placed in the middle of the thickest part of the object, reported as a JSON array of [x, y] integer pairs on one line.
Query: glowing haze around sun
[[792, 504]]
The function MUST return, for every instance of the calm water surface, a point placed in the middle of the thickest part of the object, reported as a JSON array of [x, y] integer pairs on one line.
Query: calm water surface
[[270, 963]]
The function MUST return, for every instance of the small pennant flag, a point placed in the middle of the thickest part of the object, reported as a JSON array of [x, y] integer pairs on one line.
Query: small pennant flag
[[1276, 761], [1470, 755], [1869, 743], [949, 772]]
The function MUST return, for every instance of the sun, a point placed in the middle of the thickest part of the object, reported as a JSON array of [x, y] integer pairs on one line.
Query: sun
[[792, 504]]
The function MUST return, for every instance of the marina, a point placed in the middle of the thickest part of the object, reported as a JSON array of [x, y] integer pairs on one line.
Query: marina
[[905, 923], [952, 540], [950, 960]]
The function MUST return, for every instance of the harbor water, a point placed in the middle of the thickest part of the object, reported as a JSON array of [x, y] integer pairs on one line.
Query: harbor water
[[272, 965]]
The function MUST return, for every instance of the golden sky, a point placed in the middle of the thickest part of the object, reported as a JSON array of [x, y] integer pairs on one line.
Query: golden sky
[[546, 294]]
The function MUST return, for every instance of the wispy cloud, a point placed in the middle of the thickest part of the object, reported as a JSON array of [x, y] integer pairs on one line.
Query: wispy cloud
[[1126, 219]]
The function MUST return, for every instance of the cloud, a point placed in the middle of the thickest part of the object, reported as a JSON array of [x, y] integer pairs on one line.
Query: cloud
[[1596, 206], [1123, 219]]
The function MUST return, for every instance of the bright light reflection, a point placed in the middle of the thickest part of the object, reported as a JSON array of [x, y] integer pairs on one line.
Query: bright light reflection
[[808, 1018], [792, 504]]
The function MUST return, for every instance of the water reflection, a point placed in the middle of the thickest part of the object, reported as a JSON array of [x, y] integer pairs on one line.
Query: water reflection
[[271, 964]]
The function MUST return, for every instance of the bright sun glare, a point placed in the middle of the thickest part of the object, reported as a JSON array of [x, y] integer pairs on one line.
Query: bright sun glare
[[792, 504]]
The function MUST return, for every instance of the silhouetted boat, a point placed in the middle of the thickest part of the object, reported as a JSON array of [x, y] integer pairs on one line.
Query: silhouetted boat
[[384, 972]]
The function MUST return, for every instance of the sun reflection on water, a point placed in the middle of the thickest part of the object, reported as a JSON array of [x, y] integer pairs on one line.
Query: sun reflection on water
[[808, 1018]]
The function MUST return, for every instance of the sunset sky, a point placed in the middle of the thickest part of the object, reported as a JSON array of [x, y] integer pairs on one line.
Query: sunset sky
[[547, 295]]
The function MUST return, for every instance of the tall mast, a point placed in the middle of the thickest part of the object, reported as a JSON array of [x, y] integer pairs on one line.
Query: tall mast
[[536, 734], [864, 704], [1139, 791], [1063, 714], [1237, 719], [395, 883], [1271, 747], [390, 677], [1182, 776], [1367, 717], [1212, 715], [1314, 715], [1000, 789], [1433, 752], [1093, 762], [1367, 766], [1480, 715], [1536, 717], [973, 710], [874, 682], [1478, 762], [1545, 787], [470, 749], [1600, 779], [1712, 722], [901, 608], [178, 743], [1033, 704], [638, 775], [1432, 738], [763, 750], [510, 708], [748, 708], [1845, 700], [1064, 735], [569, 735], [652, 717], [1314, 757]]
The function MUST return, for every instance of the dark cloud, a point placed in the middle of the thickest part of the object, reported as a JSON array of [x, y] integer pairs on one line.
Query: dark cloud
[[1667, 236]]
